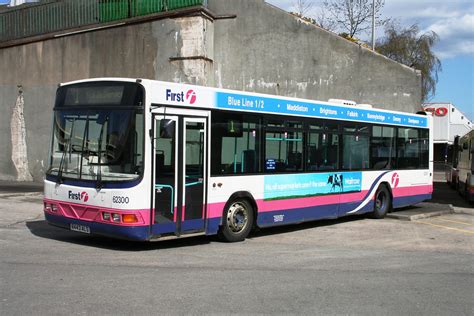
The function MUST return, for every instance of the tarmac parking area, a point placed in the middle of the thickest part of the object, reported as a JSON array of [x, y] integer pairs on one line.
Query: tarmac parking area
[[461, 223], [352, 265]]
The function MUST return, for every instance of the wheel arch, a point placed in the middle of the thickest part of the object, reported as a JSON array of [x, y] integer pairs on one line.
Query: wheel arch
[[246, 196], [388, 186]]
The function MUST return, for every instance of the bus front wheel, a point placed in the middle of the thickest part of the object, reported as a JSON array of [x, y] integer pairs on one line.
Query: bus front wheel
[[382, 203], [237, 221]]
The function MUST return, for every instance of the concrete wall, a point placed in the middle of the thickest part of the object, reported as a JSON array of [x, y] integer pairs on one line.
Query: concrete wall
[[268, 50], [263, 49], [153, 50]]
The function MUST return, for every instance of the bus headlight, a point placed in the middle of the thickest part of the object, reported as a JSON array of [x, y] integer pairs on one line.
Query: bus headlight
[[54, 208], [106, 216], [116, 217], [47, 207]]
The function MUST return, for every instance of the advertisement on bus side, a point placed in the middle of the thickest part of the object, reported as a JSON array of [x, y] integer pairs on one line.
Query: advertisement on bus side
[[307, 185]]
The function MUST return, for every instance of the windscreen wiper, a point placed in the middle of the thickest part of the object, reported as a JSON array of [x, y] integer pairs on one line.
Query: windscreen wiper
[[98, 185], [66, 150], [59, 180], [84, 136]]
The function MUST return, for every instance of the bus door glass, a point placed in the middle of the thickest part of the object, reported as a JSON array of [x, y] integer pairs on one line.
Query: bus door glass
[[165, 151], [194, 158], [180, 169]]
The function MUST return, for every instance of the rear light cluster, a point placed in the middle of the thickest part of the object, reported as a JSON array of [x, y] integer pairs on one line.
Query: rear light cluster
[[50, 207], [119, 218]]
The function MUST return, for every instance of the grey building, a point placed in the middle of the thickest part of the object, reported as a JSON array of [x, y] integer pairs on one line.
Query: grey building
[[237, 44]]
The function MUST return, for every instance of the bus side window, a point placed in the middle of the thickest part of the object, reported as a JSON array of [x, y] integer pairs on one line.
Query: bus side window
[[314, 155], [408, 148], [356, 146], [329, 159], [235, 144], [294, 160], [382, 147], [330, 156], [424, 149], [249, 161], [313, 151], [283, 150]]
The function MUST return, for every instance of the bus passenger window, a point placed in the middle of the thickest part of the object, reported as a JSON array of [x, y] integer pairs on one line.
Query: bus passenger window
[[249, 161], [235, 144], [329, 152], [408, 148], [314, 151], [424, 148], [322, 146], [355, 152], [283, 151], [382, 147]]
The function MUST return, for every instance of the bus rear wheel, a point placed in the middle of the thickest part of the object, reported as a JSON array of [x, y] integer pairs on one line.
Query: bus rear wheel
[[237, 221], [382, 203]]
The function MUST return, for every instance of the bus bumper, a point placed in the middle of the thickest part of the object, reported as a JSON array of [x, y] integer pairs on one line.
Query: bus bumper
[[137, 233]]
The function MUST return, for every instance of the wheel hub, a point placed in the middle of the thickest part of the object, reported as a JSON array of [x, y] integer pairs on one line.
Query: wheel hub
[[237, 217]]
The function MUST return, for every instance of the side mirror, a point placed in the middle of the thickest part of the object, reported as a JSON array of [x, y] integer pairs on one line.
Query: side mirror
[[167, 128]]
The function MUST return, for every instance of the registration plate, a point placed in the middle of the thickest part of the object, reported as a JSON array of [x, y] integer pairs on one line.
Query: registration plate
[[80, 228]]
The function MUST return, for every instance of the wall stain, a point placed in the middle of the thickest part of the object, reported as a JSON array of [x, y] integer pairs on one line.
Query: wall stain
[[18, 137]]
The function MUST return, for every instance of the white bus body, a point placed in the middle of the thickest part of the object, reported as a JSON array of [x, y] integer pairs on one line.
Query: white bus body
[[197, 160]]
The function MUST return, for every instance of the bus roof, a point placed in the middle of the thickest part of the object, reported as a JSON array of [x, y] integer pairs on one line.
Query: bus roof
[[200, 97]]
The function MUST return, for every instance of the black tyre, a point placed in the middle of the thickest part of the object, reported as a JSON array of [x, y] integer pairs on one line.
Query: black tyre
[[237, 221], [383, 203]]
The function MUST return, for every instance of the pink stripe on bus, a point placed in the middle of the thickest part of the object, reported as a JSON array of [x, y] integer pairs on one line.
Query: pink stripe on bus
[[268, 206], [413, 190], [216, 209]]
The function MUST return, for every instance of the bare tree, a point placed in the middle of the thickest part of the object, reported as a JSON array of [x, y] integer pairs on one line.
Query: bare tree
[[353, 16], [302, 8], [323, 19], [409, 47], [310, 11]]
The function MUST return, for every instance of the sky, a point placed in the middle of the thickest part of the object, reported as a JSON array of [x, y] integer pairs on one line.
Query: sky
[[453, 21]]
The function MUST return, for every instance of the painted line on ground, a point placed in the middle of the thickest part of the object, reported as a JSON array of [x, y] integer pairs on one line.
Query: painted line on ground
[[447, 227], [451, 221]]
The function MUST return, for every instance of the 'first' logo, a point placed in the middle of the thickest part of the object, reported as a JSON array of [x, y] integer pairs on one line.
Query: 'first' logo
[[189, 97], [82, 196], [395, 180]]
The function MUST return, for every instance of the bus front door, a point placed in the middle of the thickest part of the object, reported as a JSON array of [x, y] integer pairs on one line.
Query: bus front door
[[180, 175]]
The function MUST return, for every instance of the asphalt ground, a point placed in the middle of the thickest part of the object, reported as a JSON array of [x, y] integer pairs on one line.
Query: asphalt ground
[[20, 187], [444, 194], [349, 266]]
